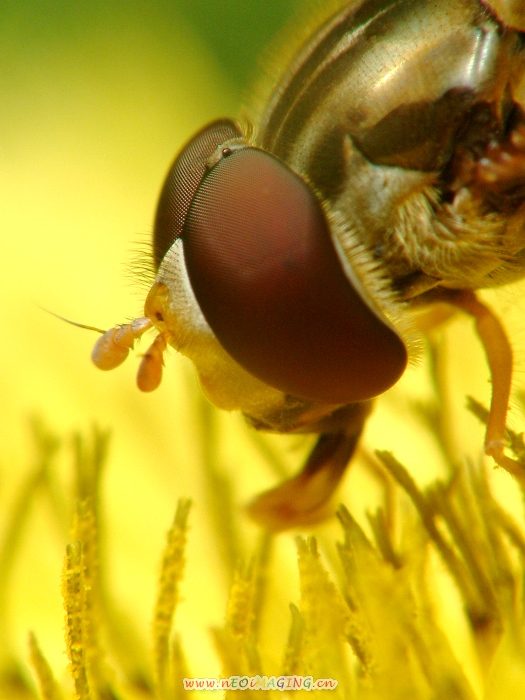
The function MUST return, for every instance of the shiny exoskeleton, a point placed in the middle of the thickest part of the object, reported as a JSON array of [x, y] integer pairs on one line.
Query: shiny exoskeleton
[[386, 173]]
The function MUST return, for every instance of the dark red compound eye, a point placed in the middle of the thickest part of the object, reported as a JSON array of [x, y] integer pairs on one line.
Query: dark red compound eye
[[268, 280], [182, 181]]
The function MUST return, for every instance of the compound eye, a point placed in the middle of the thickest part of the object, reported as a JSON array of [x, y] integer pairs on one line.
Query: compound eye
[[182, 182], [266, 275]]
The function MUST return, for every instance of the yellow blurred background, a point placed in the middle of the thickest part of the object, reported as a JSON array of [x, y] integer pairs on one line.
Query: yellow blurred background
[[96, 98]]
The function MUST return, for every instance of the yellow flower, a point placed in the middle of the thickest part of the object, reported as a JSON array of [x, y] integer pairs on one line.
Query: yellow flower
[[374, 613], [415, 591]]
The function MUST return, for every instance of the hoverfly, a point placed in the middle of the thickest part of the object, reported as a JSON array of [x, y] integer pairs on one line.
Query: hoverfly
[[385, 174]]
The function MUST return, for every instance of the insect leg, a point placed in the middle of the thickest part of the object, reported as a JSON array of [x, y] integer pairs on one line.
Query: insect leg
[[499, 357], [305, 498]]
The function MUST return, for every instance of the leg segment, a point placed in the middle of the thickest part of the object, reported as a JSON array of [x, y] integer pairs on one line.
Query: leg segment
[[305, 498]]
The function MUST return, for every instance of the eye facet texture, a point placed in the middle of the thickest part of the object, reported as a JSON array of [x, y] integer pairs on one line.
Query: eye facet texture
[[267, 277], [182, 182]]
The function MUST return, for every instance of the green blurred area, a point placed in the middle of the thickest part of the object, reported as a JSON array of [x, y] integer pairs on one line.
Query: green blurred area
[[140, 75], [234, 31], [238, 31]]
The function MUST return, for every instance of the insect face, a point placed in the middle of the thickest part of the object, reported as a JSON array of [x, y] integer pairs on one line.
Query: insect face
[[387, 173]]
